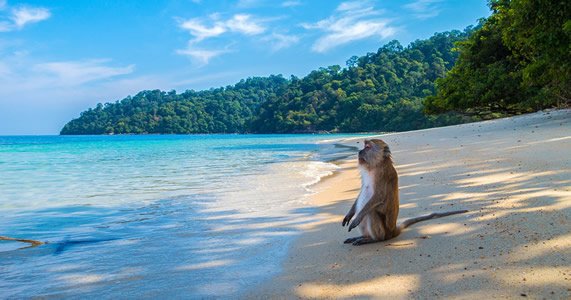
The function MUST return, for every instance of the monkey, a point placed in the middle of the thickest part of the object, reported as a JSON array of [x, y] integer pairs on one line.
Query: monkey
[[377, 207]]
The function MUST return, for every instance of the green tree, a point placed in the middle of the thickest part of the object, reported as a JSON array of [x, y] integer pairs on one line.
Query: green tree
[[517, 60], [380, 91]]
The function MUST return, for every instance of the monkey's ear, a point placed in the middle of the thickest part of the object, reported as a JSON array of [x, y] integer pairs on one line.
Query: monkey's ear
[[386, 151]]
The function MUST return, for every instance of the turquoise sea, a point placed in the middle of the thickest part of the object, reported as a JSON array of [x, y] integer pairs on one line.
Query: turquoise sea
[[153, 216]]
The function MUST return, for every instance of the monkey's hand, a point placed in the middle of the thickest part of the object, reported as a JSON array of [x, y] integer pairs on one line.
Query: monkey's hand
[[355, 223], [347, 219]]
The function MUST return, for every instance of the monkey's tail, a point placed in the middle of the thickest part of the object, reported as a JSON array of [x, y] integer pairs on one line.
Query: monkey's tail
[[409, 222]]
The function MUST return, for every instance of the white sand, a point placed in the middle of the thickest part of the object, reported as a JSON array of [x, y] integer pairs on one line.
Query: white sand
[[514, 175]]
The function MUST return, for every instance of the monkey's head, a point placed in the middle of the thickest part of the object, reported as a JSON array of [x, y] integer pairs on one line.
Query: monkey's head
[[374, 153]]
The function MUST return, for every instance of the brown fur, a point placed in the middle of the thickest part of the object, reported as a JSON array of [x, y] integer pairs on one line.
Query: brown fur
[[377, 219]]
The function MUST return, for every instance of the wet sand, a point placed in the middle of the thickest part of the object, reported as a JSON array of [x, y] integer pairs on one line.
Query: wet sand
[[514, 177]]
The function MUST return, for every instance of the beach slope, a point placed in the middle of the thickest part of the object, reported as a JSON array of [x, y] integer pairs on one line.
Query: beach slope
[[514, 177]]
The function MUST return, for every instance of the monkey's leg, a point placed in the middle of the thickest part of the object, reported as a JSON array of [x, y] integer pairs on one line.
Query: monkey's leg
[[350, 214], [351, 240], [364, 240]]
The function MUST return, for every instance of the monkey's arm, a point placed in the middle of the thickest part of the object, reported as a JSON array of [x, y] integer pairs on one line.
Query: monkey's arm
[[367, 209], [350, 214]]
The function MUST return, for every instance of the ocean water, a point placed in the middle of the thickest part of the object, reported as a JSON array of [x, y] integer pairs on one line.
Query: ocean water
[[153, 216]]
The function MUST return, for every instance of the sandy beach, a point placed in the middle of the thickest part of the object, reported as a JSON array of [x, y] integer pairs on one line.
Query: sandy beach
[[514, 177]]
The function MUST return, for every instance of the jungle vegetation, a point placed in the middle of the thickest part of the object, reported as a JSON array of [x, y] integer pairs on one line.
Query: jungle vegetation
[[517, 60]]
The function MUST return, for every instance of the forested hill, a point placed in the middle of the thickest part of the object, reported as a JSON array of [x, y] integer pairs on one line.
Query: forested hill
[[518, 60], [381, 91]]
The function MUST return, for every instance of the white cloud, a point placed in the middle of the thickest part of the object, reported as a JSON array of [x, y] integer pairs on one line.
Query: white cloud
[[291, 3], [424, 9], [18, 71], [79, 72], [19, 17], [350, 6], [201, 56], [39, 97], [28, 15], [200, 31], [244, 24], [214, 26], [280, 41], [351, 21], [240, 23], [34, 101]]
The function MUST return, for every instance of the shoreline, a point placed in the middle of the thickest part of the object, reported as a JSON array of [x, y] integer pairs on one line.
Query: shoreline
[[237, 222], [504, 246]]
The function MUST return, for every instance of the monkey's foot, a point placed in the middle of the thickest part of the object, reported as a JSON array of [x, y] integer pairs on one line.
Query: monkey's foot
[[363, 240], [351, 240]]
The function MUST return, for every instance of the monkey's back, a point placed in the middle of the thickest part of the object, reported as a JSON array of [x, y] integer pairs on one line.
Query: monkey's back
[[387, 182]]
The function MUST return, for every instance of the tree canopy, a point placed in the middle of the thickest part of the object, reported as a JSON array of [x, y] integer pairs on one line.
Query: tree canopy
[[380, 91], [518, 60]]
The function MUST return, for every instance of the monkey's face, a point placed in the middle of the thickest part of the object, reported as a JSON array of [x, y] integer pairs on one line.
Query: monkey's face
[[373, 153]]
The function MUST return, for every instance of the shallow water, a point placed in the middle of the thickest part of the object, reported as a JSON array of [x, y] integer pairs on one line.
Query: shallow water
[[150, 216]]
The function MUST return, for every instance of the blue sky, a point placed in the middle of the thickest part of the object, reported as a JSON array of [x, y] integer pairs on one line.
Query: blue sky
[[59, 57]]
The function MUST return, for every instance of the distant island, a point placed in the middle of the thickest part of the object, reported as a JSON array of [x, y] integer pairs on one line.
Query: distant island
[[512, 62]]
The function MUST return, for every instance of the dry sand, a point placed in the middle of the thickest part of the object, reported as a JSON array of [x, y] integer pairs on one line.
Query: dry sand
[[513, 175]]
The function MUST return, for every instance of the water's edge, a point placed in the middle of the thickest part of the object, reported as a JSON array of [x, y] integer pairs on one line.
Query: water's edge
[[343, 153], [189, 241]]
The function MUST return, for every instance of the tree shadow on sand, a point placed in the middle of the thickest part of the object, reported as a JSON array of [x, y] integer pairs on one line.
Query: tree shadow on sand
[[514, 241]]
